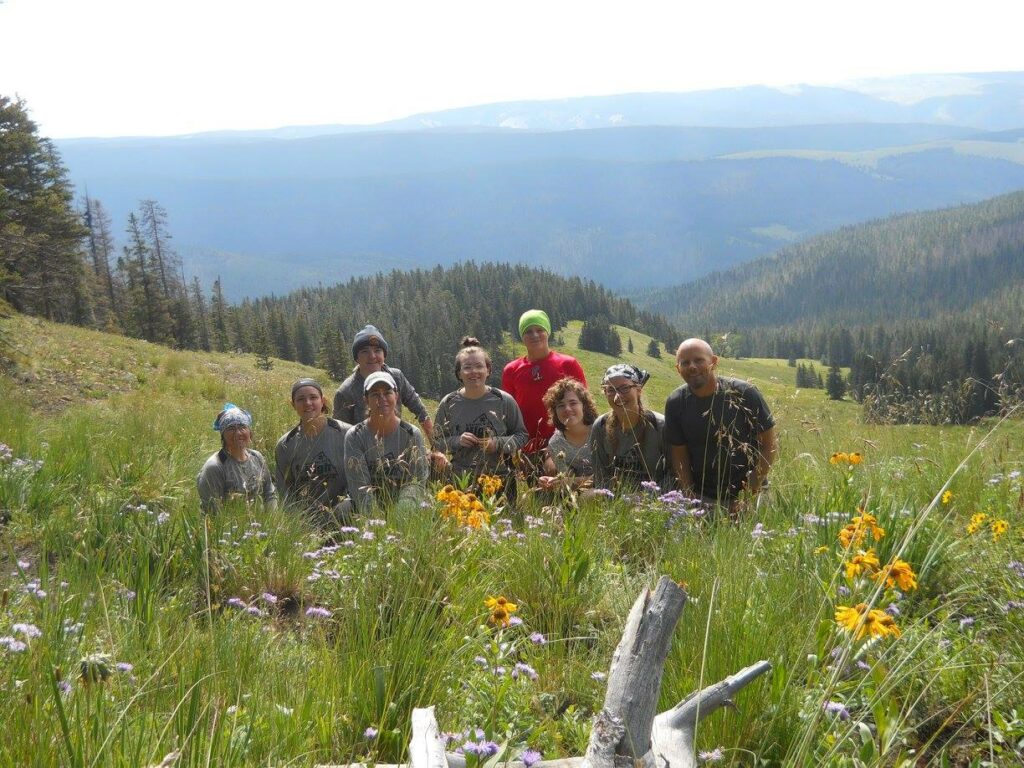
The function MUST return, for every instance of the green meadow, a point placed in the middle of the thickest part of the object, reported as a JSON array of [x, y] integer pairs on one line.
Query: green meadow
[[132, 627]]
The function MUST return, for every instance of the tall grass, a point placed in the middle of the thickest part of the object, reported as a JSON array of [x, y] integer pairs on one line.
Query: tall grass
[[253, 638]]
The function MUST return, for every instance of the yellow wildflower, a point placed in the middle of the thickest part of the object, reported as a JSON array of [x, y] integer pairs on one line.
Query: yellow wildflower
[[999, 527], [898, 573], [821, 550], [856, 458], [977, 521], [947, 497], [501, 610], [863, 562], [861, 621], [839, 458], [490, 484], [855, 532]]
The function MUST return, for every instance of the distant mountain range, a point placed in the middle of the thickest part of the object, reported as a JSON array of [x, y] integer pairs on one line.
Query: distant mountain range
[[682, 185], [967, 260]]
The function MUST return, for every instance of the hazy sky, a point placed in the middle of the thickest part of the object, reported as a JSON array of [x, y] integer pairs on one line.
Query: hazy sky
[[138, 67]]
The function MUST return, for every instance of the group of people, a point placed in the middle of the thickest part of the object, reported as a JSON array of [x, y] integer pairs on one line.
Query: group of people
[[715, 441]]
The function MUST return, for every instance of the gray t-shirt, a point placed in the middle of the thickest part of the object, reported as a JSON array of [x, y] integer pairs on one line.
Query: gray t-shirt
[[350, 401], [569, 459], [223, 477], [638, 456], [389, 468], [310, 472], [494, 415]]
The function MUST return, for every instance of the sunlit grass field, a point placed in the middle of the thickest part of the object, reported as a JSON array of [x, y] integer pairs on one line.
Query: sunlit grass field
[[132, 627]]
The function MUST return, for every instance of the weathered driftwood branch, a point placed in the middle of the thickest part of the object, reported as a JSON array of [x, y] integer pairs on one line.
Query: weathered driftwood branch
[[626, 731]]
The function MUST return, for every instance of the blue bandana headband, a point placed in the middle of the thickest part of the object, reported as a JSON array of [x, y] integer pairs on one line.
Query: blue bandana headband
[[232, 416]]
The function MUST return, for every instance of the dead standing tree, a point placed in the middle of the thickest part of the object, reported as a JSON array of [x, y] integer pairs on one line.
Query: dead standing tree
[[626, 732]]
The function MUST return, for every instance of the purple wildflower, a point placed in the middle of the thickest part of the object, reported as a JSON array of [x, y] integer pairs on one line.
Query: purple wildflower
[[124, 666], [269, 597], [370, 733], [538, 639], [966, 621], [236, 602], [318, 612], [714, 756], [368, 536], [480, 661], [524, 669], [12, 645], [28, 630], [530, 758], [64, 686], [837, 708]]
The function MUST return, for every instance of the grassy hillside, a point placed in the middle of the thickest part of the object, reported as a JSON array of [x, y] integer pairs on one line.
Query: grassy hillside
[[131, 626]]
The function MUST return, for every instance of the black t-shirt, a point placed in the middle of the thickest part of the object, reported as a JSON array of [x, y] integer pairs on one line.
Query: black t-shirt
[[720, 431]]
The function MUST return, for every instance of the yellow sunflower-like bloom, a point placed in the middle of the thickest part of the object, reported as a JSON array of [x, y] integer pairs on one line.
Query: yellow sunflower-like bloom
[[977, 521], [839, 458], [947, 497], [879, 624], [856, 458], [898, 574], [999, 527], [849, 617], [863, 562], [501, 610], [861, 622], [490, 484], [856, 531], [821, 550]]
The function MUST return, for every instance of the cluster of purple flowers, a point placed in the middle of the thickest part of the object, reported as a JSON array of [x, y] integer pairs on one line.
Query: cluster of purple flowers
[[681, 507]]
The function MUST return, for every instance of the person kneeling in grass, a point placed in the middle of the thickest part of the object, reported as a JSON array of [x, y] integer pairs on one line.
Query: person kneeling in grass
[[627, 444], [385, 458], [479, 426], [572, 411], [236, 470], [310, 457]]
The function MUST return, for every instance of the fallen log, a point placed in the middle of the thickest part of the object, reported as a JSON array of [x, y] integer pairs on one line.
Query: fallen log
[[626, 732]]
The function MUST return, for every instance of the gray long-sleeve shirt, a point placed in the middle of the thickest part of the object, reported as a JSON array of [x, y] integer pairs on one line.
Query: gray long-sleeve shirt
[[388, 468], [639, 455], [494, 415], [311, 471], [350, 402], [224, 477]]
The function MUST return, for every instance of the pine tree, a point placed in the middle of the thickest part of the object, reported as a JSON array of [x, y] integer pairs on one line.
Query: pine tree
[[332, 356], [202, 321], [219, 319], [654, 349], [614, 342], [41, 235], [262, 346], [629, 344], [835, 386]]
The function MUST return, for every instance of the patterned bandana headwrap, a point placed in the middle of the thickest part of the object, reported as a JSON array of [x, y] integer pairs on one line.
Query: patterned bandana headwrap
[[232, 416], [637, 375]]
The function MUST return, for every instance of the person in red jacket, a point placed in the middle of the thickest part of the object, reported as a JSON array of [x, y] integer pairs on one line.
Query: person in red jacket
[[527, 378]]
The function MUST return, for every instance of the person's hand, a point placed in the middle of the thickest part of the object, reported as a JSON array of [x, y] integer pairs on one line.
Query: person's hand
[[469, 440], [439, 460], [490, 445], [546, 482]]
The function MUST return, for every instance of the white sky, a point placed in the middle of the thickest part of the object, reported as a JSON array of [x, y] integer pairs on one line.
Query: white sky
[[158, 67]]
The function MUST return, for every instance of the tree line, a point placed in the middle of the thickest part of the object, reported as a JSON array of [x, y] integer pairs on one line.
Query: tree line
[[62, 260]]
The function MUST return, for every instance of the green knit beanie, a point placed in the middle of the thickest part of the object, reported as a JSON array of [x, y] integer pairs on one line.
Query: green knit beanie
[[534, 317]]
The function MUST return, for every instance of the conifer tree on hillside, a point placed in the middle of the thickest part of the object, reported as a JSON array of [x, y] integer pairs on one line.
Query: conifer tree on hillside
[[262, 346], [41, 235], [654, 349], [835, 386], [218, 318]]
